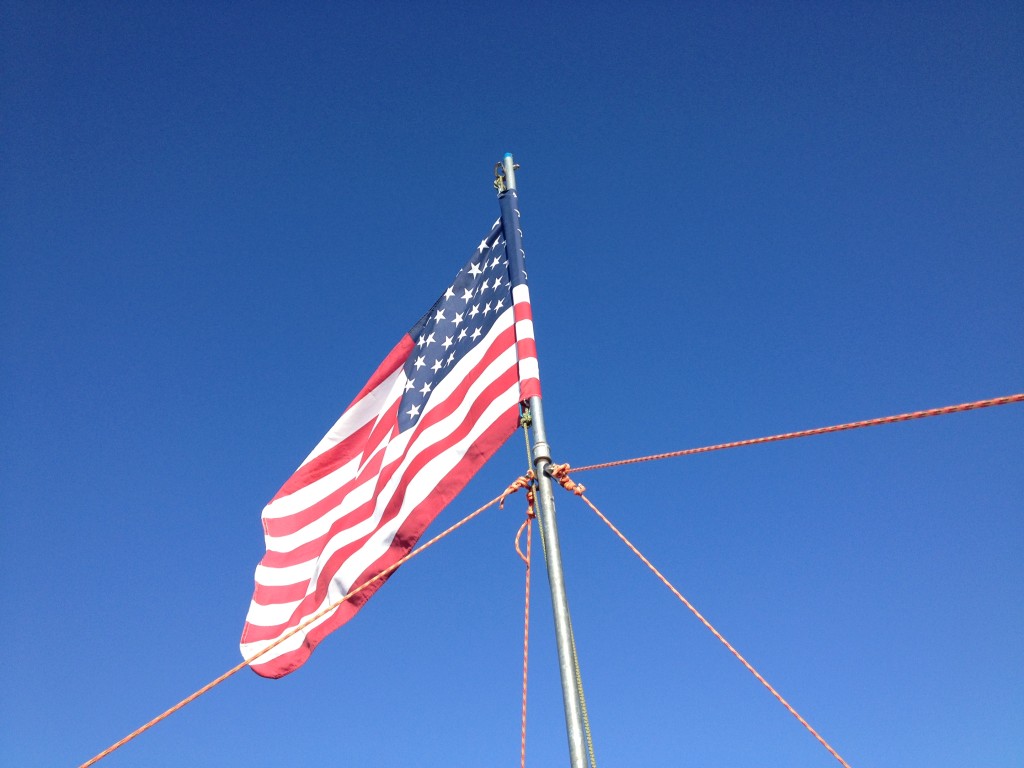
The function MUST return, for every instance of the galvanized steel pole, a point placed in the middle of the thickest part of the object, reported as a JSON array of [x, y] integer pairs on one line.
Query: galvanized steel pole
[[549, 533]]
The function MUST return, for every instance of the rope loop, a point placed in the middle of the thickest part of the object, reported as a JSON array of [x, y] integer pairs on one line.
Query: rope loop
[[519, 535], [560, 473]]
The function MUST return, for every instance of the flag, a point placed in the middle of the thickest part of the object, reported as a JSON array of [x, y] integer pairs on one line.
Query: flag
[[442, 402]]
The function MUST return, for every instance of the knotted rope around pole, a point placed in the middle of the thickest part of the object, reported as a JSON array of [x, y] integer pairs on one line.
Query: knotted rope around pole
[[562, 476], [333, 606]]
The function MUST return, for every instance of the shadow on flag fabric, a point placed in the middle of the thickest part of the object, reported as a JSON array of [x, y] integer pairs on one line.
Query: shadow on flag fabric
[[442, 402]]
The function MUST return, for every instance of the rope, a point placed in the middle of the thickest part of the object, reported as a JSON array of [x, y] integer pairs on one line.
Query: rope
[[716, 633], [214, 683], [583, 699], [528, 527], [526, 421], [560, 474], [819, 431], [526, 481], [564, 469], [579, 677], [523, 481]]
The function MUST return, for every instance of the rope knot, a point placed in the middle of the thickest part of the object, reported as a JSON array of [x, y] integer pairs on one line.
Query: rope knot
[[525, 481], [560, 473]]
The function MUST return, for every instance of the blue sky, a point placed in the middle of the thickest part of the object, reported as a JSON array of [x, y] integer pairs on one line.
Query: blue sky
[[741, 219]]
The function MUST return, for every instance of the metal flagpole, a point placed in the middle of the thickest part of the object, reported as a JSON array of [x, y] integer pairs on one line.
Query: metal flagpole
[[549, 528]]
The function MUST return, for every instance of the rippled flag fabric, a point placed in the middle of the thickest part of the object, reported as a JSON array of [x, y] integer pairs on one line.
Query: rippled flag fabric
[[442, 402]]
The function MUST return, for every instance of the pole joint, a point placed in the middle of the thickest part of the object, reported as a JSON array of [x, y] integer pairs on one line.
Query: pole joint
[[541, 453]]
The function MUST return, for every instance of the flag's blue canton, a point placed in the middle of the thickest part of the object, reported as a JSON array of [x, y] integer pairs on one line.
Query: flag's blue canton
[[481, 291]]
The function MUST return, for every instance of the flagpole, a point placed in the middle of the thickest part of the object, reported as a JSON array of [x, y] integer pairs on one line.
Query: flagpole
[[549, 534]]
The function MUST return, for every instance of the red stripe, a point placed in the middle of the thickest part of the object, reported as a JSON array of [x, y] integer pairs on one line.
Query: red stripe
[[286, 524], [529, 388], [323, 464], [265, 594], [526, 349], [523, 310], [282, 526]]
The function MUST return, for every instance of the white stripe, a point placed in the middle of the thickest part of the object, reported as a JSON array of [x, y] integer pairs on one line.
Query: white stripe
[[303, 498], [357, 496], [283, 576], [268, 615], [291, 644], [528, 369], [356, 416], [524, 329], [341, 538]]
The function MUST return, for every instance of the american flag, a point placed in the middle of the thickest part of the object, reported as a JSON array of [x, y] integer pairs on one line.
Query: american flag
[[442, 402]]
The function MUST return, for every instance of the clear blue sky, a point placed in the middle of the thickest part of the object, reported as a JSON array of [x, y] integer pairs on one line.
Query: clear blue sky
[[741, 219]]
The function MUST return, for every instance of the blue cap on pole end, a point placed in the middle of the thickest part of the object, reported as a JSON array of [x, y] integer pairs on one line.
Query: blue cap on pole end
[[508, 154]]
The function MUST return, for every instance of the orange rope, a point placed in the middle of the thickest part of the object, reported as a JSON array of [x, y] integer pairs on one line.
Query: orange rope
[[819, 431], [717, 634], [560, 474], [528, 526], [213, 684]]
